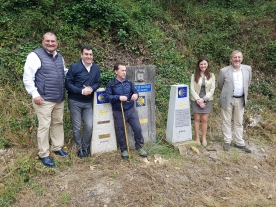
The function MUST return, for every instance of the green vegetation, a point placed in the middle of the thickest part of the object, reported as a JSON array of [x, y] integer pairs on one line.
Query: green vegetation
[[64, 198], [168, 34]]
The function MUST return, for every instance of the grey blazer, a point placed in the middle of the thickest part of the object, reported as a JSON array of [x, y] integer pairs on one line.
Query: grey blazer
[[226, 84]]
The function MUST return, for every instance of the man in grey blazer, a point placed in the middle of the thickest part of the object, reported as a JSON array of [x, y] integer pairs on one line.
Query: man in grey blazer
[[233, 81]]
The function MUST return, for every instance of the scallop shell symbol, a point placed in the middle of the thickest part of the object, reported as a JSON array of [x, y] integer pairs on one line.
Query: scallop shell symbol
[[141, 101], [180, 92], [100, 97]]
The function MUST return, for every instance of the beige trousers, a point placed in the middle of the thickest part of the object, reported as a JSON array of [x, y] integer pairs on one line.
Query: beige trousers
[[50, 125], [235, 111]]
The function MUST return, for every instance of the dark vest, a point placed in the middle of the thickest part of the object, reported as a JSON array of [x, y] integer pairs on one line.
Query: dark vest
[[49, 79]]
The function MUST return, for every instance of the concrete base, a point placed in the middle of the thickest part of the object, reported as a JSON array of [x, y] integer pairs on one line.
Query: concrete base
[[186, 143]]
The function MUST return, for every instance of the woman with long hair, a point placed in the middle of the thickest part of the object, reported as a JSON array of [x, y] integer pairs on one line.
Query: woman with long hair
[[202, 88]]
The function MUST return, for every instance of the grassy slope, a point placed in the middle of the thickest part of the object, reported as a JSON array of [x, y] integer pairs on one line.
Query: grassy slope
[[171, 38]]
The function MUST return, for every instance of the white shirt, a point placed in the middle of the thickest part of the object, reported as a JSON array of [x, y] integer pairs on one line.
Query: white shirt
[[87, 68], [238, 82], [31, 66]]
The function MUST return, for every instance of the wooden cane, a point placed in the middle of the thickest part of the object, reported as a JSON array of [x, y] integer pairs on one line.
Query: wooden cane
[[125, 130]]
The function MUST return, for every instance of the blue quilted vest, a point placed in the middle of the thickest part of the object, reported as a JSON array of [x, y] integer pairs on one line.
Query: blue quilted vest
[[49, 79]]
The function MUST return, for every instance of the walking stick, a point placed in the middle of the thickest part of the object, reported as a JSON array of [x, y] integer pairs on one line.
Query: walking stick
[[125, 130]]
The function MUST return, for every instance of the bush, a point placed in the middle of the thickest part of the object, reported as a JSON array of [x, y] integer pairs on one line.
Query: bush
[[101, 15], [271, 54]]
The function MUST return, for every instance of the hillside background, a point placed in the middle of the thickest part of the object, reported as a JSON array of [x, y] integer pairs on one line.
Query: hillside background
[[170, 34]]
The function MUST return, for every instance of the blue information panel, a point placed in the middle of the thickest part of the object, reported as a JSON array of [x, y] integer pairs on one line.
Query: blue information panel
[[143, 87], [182, 92], [141, 101], [100, 97]]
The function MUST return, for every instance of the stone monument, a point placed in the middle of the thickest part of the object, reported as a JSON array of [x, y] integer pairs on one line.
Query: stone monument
[[103, 135], [179, 120], [143, 78]]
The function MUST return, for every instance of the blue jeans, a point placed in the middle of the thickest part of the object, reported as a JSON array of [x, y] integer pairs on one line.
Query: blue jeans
[[131, 117], [81, 112]]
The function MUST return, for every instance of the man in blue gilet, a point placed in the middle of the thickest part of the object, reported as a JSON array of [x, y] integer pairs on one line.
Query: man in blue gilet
[[43, 77]]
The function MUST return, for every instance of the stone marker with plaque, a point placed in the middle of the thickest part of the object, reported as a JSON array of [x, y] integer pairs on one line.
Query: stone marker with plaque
[[103, 135], [143, 78], [179, 120]]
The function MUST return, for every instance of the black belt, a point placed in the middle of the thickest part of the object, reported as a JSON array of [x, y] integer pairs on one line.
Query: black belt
[[238, 96]]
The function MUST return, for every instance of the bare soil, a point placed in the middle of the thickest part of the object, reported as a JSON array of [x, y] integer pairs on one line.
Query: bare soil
[[211, 178]]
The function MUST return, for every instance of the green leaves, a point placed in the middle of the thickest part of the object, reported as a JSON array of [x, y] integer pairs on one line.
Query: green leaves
[[99, 14], [106, 75], [271, 54]]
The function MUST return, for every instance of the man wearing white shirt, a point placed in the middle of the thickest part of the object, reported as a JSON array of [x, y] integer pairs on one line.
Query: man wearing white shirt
[[234, 81], [82, 80], [43, 77]]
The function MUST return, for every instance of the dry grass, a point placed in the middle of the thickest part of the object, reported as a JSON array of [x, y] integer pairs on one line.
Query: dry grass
[[17, 117], [212, 178]]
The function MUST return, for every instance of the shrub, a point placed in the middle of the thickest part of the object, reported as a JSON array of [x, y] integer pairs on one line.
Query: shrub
[[101, 15], [271, 54]]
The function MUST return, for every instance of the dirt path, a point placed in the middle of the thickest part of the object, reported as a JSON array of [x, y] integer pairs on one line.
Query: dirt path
[[212, 178]]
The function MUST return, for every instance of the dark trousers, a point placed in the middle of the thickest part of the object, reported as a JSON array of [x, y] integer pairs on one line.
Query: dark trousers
[[131, 117], [81, 112]]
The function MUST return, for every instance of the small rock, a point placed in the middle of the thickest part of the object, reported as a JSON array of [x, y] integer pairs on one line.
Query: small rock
[[253, 184], [211, 149], [182, 150], [213, 156], [157, 156], [2, 152], [262, 149], [158, 159], [144, 159], [92, 167]]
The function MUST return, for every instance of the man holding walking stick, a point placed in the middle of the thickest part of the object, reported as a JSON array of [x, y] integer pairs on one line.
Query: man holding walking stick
[[118, 90]]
